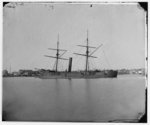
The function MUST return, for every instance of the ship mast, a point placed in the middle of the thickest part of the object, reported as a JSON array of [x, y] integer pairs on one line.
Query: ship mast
[[58, 55], [87, 55]]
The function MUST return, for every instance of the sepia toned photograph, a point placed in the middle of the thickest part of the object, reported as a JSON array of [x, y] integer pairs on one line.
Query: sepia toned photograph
[[74, 62]]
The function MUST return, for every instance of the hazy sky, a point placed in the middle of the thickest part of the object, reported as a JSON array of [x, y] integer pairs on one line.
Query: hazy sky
[[29, 29]]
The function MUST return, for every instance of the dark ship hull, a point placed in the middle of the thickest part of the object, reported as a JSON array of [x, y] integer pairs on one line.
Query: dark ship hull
[[79, 75]]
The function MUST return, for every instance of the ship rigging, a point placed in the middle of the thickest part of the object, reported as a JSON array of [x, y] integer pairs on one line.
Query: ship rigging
[[88, 54], [58, 55], [77, 74]]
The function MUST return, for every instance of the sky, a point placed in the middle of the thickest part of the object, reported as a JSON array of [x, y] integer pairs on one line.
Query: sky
[[29, 29]]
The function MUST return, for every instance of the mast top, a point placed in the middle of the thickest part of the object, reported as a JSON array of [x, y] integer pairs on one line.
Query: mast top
[[58, 44], [87, 34], [58, 38]]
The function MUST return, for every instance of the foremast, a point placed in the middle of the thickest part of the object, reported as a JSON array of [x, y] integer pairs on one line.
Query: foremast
[[58, 55]]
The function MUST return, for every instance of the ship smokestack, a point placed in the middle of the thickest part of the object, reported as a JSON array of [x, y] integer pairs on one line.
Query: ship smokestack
[[70, 64]]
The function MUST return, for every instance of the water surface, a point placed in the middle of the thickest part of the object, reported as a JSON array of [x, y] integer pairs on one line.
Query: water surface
[[104, 99]]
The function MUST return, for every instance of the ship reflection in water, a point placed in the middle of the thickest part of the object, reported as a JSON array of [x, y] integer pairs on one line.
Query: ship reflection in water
[[94, 100]]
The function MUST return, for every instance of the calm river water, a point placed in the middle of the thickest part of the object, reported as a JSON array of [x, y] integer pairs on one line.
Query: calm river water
[[104, 99]]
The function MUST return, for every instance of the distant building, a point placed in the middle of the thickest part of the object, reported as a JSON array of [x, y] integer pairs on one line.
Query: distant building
[[15, 73], [5, 73], [123, 71], [25, 72], [132, 71]]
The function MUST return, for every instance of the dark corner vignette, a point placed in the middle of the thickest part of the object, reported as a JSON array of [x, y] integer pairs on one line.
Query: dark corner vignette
[[144, 6], [5, 3]]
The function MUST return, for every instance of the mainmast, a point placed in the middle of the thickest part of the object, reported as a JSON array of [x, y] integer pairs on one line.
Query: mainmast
[[58, 56], [87, 55]]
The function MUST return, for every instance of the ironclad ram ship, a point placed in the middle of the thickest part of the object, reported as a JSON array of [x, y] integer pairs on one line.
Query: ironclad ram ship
[[86, 74]]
